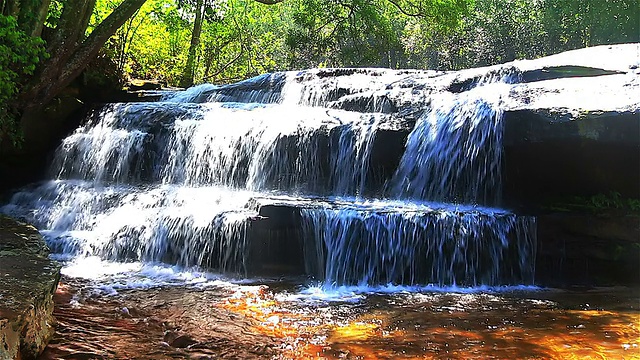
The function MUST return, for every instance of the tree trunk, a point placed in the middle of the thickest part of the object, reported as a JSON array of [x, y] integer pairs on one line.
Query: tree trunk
[[189, 70], [39, 18], [72, 56], [11, 8], [30, 15]]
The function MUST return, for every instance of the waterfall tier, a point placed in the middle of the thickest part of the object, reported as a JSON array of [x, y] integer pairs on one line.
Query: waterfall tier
[[345, 177]]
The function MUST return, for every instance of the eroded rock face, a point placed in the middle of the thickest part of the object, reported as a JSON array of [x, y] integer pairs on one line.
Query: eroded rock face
[[28, 280], [550, 156]]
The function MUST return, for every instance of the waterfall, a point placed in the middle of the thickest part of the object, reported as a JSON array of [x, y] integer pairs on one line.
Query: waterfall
[[184, 180], [418, 244], [202, 226], [454, 153]]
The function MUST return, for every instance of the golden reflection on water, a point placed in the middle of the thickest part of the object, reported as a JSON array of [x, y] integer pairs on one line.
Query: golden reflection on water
[[447, 326]]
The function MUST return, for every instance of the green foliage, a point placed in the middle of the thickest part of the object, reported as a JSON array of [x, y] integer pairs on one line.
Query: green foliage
[[242, 38], [498, 31], [613, 201], [248, 40], [580, 23], [334, 33], [53, 15], [19, 55]]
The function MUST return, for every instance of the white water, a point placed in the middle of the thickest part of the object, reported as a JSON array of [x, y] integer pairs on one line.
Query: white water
[[176, 182], [454, 153], [430, 243]]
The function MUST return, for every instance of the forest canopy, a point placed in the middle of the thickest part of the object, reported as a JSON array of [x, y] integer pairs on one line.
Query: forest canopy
[[243, 38], [45, 45]]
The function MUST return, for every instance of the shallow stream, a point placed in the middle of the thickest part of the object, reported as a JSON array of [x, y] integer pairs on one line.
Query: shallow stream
[[147, 312]]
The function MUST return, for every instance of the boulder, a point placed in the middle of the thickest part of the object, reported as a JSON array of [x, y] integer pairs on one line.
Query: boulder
[[576, 133], [28, 280]]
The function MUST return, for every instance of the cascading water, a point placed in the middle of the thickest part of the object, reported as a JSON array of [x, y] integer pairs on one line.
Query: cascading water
[[454, 153], [387, 243], [175, 182]]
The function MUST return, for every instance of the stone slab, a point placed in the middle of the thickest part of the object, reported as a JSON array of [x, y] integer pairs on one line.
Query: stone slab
[[28, 280]]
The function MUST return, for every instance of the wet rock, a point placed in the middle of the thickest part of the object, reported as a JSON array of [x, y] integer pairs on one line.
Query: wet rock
[[588, 249], [593, 153], [177, 340], [276, 242], [138, 95], [28, 280], [563, 72]]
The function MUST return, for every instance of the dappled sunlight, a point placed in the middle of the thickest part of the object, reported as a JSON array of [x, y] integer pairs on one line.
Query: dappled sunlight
[[433, 326]]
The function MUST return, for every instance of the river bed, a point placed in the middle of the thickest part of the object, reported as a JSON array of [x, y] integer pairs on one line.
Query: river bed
[[289, 319]]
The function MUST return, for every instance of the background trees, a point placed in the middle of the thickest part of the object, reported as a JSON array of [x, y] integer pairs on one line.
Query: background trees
[[45, 45], [19, 55], [242, 38]]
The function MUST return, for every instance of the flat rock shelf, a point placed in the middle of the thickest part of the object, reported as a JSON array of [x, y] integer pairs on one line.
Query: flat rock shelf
[[28, 280]]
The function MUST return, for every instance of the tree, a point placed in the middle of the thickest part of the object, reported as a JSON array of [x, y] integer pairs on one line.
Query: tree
[[204, 9], [70, 46], [364, 32], [189, 69], [19, 55], [70, 50]]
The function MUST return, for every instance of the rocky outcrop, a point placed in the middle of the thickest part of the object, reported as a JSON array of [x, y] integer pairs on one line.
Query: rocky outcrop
[[588, 249], [28, 280], [577, 131], [571, 129], [548, 156]]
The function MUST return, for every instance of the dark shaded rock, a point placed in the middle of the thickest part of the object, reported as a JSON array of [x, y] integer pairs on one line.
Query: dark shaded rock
[[183, 341], [545, 125], [563, 72], [387, 150], [28, 280], [137, 96], [366, 104], [333, 72], [549, 156], [584, 249], [275, 242], [28, 160]]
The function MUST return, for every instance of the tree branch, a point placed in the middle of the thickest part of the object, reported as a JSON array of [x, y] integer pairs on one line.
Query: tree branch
[[40, 17], [405, 12], [64, 67], [269, 2]]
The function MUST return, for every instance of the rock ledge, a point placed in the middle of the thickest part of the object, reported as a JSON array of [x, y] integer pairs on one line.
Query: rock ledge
[[28, 280]]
